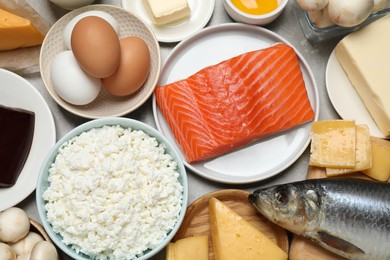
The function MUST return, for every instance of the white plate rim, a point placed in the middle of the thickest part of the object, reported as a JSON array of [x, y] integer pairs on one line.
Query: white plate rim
[[238, 27], [44, 138], [135, 6], [352, 107]]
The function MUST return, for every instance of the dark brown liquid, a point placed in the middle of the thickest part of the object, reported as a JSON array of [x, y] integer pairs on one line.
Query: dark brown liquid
[[16, 136]]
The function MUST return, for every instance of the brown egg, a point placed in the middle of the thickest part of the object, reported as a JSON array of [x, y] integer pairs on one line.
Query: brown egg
[[133, 67], [95, 46]]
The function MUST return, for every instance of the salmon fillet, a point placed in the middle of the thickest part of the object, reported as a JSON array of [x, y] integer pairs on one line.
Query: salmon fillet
[[225, 106]]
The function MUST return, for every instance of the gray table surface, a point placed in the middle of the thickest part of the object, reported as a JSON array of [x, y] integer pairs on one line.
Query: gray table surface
[[286, 25]]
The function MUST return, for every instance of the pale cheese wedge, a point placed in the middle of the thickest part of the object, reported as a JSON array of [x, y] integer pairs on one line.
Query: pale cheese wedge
[[235, 238], [333, 144], [363, 153], [380, 169], [17, 32]]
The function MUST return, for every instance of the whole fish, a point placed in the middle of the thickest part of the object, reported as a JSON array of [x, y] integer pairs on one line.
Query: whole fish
[[350, 217]]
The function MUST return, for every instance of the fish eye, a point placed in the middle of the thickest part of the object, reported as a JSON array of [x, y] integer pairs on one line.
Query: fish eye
[[281, 196]]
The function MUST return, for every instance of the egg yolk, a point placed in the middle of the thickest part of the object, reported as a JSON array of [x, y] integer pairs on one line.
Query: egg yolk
[[256, 7]]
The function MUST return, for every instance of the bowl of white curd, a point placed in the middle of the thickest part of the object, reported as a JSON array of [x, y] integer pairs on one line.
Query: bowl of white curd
[[112, 188]]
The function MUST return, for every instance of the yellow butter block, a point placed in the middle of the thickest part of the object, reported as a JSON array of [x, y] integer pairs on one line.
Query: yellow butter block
[[365, 57], [380, 169], [196, 247], [363, 153], [17, 32], [333, 144], [235, 238]]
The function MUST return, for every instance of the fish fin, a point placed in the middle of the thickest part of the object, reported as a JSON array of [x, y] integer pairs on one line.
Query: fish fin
[[339, 244]]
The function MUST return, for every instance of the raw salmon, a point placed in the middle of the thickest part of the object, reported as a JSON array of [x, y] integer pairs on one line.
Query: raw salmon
[[239, 100]]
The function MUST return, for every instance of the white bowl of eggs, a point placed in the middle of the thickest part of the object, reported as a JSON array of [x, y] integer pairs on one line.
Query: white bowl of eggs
[[100, 61]]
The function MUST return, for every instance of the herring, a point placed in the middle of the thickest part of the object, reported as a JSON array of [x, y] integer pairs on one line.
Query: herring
[[350, 217]]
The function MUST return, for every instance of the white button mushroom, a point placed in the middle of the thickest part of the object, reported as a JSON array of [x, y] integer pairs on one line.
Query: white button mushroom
[[348, 13], [23, 257], [44, 250], [312, 5], [380, 5], [320, 18], [14, 225], [6, 252], [25, 245]]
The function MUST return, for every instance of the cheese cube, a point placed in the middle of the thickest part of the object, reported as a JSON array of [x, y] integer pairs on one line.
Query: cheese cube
[[333, 144], [363, 153], [163, 12], [17, 32], [235, 238], [380, 169], [365, 57]]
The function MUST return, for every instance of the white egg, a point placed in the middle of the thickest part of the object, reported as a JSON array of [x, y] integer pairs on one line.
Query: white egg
[[70, 82], [69, 27]]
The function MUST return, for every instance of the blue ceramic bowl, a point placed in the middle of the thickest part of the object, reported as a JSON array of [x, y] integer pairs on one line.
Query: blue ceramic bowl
[[43, 183]]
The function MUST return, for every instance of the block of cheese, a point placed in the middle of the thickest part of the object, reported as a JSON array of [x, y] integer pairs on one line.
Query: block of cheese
[[17, 32], [235, 238], [365, 57], [196, 247], [333, 144], [363, 153], [163, 12], [380, 169]]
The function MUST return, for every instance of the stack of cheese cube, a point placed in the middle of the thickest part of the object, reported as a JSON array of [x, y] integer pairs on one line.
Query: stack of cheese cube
[[342, 146]]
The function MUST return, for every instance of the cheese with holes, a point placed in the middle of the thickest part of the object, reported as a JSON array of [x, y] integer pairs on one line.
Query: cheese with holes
[[196, 247], [365, 57], [163, 12], [235, 238], [333, 144], [380, 169], [17, 32], [363, 153]]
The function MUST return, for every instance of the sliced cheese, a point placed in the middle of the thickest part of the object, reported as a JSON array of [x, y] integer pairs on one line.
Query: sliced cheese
[[333, 144], [363, 153], [235, 238], [17, 32], [365, 57], [380, 169], [163, 12]]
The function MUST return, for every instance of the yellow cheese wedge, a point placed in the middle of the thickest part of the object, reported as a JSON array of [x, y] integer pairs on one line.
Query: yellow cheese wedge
[[170, 251], [235, 238], [363, 153], [380, 169], [17, 32], [365, 57], [333, 144]]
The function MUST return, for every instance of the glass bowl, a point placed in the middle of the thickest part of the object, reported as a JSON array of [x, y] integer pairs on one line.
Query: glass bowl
[[316, 34]]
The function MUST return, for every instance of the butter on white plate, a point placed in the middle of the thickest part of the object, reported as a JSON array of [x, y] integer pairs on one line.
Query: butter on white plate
[[365, 57], [164, 12]]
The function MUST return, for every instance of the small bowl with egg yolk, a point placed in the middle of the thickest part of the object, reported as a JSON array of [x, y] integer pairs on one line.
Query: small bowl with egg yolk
[[257, 12]]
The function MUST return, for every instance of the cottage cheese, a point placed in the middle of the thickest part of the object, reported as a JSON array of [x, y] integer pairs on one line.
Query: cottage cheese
[[113, 193]]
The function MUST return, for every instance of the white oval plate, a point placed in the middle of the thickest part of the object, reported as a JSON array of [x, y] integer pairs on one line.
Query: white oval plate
[[201, 11], [15, 91], [264, 158], [345, 99]]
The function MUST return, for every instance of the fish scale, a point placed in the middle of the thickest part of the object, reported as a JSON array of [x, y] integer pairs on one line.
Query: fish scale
[[349, 217]]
